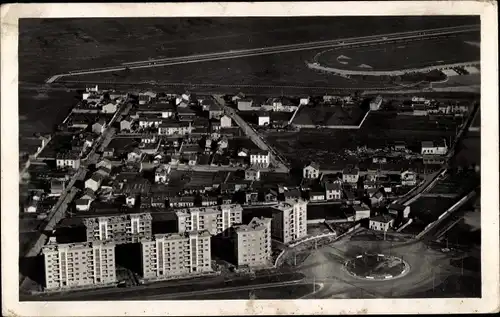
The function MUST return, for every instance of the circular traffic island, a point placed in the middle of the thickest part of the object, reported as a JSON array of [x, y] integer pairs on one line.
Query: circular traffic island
[[376, 267]]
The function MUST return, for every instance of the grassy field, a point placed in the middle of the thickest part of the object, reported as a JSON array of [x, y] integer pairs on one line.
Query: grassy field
[[326, 146], [403, 55], [48, 46], [329, 115]]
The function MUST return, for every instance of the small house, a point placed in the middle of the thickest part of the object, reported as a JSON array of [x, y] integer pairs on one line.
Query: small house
[[381, 223], [315, 196], [252, 174], [408, 178], [333, 190], [350, 175], [126, 124], [99, 126], [376, 103], [311, 171], [264, 119], [108, 152], [225, 121], [361, 212]]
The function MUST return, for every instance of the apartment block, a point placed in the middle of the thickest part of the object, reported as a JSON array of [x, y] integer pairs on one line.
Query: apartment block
[[79, 265], [289, 220], [252, 242], [176, 255], [130, 228], [215, 219]]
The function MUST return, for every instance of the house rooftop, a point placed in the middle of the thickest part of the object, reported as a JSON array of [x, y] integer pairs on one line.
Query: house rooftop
[[382, 218]]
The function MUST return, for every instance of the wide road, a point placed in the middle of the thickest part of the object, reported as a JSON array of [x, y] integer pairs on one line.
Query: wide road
[[347, 42]]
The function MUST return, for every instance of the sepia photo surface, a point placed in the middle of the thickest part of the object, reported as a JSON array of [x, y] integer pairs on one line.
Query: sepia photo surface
[[304, 158]]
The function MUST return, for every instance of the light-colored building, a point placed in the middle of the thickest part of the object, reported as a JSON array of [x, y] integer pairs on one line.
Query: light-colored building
[[176, 255], [408, 178], [434, 148], [175, 128], [150, 121], [83, 204], [110, 107], [252, 174], [225, 122], [350, 175], [317, 196], [304, 101], [216, 219], [126, 124], [162, 173], [289, 220], [128, 228], [333, 190], [70, 159], [99, 127], [361, 212], [246, 105], [79, 265], [252, 243], [381, 223], [260, 158], [311, 171], [94, 182], [376, 103], [264, 119]]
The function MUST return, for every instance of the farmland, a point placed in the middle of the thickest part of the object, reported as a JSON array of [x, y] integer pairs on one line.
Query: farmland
[[326, 146], [403, 55], [329, 115]]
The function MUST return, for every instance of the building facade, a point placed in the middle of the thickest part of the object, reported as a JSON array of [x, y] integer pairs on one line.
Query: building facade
[[129, 228], [167, 256], [260, 158], [252, 243], [216, 219], [79, 265], [289, 220]]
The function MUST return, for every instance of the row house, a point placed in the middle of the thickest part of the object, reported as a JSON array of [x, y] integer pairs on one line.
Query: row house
[[434, 148], [260, 158], [175, 128]]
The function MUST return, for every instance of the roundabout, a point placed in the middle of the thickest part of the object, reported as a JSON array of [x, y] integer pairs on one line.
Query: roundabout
[[376, 267]]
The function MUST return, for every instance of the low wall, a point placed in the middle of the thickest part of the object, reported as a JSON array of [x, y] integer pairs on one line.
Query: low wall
[[337, 127]]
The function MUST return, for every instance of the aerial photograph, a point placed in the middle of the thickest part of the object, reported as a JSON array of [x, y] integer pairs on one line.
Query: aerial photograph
[[219, 158]]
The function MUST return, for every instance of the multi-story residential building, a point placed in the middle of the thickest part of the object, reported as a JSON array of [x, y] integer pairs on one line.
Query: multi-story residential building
[[70, 159], [216, 219], [289, 220], [260, 158], [252, 242], [175, 255], [79, 265], [94, 182], [129, 228]]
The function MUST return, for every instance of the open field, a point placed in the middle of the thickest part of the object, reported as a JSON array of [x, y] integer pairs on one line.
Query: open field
[[49, 46], [329, 115], [403, 55], [458, 183], [428, 209], [379, 130]]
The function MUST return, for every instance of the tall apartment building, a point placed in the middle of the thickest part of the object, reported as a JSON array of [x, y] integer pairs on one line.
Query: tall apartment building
[[174, 255], [289, 220], [130, 228], [215, 219], [77, 265], [252, 242]]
